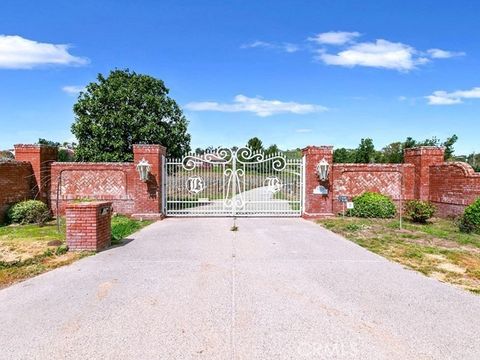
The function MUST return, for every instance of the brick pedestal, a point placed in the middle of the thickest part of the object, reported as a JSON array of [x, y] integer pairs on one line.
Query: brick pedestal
[[423, 158], [317, 205], [148, 195], [88, 225]]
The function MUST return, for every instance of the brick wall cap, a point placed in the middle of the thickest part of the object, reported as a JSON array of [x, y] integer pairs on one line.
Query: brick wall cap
[[388, 166], [465, 167], [14, 162], [88, 204], [92, 164]]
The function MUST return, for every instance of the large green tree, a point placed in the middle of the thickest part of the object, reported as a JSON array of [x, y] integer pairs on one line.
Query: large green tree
[[365, 152], [123, 109], [255, 144]]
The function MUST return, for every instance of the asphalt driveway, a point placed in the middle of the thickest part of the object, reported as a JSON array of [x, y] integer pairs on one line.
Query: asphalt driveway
[[276, 289]]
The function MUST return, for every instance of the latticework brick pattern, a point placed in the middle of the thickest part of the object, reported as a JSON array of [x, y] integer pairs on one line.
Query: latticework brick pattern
[[393, 180], [97, 184]]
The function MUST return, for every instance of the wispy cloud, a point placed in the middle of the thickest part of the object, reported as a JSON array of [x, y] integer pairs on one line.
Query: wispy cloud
[[286, 47], [256, 105], [379, 54], [443, 54], [451, 98], [73, 89], [349, 52], [334, 37], [17, 52]]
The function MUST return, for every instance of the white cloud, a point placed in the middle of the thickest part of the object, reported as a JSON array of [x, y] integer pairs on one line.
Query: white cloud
[[256, 105], [303, 131], [443, 54], [379, 54], [20, 53], [73, 89], [334, 37], [287, 47], [456, 97], [402, 98]]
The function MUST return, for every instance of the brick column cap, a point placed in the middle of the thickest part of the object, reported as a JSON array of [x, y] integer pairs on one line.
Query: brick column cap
[[148, 148], [33, 146], [425, 150], [87, 204], [317, 149]]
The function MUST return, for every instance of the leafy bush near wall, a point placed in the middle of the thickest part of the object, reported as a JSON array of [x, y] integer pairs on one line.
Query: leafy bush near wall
[[29, 211], [420, 211], [372, 205], [470, 220]]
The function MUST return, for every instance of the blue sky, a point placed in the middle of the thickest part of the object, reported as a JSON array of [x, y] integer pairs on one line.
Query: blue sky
[[294, 73]]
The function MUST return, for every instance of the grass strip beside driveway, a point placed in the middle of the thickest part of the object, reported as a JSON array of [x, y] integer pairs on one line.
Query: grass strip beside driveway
[[437, 249], [29, 250]]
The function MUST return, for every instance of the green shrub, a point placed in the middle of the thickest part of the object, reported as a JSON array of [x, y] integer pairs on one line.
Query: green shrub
[[420, 211], [372, 205], [29, 211], [470, 220]]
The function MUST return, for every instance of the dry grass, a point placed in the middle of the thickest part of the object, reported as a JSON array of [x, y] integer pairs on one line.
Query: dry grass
[[29, 250], [436, 249]]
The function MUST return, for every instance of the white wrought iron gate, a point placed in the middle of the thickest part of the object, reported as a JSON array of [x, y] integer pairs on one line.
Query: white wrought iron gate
[[233, 182]]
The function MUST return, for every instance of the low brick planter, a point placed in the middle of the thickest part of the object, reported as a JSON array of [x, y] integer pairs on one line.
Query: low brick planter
[[88, 225]]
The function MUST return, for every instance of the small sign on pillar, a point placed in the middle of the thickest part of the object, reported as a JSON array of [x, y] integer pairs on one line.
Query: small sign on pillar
[[320, 190]]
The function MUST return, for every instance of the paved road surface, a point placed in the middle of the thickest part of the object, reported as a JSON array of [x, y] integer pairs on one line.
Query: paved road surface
[[276, 289]]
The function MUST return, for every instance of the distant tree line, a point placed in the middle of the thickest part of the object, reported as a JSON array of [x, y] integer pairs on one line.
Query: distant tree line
[[392, 153], [255, 144]]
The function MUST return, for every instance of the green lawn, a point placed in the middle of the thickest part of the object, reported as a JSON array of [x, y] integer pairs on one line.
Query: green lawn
[[437, 249], [29, 250]]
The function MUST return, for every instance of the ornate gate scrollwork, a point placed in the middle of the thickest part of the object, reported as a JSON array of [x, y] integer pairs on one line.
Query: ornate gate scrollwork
[[234, 182]]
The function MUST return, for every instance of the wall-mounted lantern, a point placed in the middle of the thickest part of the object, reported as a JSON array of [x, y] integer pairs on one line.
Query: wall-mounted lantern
[[143, 168], [323, 169]]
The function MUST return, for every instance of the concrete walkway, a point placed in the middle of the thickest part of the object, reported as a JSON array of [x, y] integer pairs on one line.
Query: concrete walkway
[[276, 289]]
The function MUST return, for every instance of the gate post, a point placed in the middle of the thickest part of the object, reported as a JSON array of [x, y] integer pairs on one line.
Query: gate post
[[318, 194], [148, 194]]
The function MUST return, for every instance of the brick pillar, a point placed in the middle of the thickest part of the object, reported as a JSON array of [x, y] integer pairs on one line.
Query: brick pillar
[[41, 158], [148, 195], [317, 205], [88, 225], [422, 158]]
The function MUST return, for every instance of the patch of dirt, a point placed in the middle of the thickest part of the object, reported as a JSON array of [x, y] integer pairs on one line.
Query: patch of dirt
[[55, 243]]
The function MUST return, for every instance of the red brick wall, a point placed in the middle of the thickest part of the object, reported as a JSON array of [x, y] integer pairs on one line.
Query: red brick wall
[[40, 157], [88, 225], [355, 179], [16, 184], [453, 186], [115, 182]]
